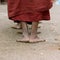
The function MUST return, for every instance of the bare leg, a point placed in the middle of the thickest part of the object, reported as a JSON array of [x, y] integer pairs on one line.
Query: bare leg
[[33, 36], [25, 37], [37, 27]]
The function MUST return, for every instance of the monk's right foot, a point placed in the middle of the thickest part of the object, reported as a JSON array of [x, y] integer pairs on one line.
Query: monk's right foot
[[23, 39]]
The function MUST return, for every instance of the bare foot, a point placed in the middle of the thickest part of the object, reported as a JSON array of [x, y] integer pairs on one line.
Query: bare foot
[[35, 40], [23, 39], [17, 26]]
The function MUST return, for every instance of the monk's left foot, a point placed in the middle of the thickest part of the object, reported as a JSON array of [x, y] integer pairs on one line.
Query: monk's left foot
[[35, 40]]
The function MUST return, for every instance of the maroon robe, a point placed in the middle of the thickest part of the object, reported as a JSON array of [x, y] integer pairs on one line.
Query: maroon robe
[[25, 10]]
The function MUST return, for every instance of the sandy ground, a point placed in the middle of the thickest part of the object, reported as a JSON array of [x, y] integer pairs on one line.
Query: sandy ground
[[12, 50]]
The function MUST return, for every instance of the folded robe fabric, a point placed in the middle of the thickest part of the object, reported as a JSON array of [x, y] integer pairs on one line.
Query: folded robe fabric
[[29, 10]]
